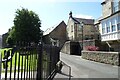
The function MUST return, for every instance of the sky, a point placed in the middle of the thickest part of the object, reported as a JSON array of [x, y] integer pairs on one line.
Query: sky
[[50, 12]]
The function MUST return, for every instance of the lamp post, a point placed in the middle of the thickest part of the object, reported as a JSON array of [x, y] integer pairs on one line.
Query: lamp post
[[81, 24]]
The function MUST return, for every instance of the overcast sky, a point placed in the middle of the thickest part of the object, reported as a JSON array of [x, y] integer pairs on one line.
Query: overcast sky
[[50, 12]]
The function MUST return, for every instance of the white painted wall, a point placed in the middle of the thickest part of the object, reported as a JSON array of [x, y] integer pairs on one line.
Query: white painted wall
[[115, 35], [111, 36]]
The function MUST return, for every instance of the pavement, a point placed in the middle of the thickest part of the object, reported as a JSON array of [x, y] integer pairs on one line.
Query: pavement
[[76, 68], [64, 74]]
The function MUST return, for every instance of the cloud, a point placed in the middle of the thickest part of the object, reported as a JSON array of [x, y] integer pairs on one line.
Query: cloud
[[83, 16]]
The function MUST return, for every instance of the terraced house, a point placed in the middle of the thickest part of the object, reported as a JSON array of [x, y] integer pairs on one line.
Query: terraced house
[[109, 23]]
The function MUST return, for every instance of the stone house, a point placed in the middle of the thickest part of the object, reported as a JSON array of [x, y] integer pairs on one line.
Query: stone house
[[4, 38], [109, 24], [79, 33], [79, 28], [55, 35]]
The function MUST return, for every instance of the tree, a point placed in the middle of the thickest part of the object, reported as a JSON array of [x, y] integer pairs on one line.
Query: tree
[[26, 27], [11, 37]]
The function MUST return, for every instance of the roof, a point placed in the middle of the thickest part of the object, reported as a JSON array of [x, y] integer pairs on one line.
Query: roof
[[49, 30], [97, 21], [85, 21]]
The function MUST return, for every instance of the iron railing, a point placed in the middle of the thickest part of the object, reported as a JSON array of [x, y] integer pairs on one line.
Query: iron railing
[[29, 63], [50, 59], [19, 63]]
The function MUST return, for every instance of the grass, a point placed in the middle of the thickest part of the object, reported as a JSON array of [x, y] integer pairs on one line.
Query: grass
[[32, 61]]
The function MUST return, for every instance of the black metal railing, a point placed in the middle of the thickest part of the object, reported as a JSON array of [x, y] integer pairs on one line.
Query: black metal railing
[[29, 63], [50, 59], [19, 63]]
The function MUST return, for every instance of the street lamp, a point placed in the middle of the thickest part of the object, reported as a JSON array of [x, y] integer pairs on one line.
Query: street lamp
[[81, 24]]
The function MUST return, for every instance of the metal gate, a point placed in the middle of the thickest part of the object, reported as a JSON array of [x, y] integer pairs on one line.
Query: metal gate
[[31, 63], [50, 59]]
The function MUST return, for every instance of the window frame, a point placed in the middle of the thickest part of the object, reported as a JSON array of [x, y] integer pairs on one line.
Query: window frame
[[108, 26], [71, 28], [118, 23], [103, 28], [113, 24], [115, 6]]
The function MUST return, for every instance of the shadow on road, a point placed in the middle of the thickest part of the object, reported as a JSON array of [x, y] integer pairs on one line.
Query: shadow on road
[[65, 74]]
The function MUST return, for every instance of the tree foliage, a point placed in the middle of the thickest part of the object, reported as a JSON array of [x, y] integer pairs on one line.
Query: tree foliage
[[11, 37], [26, 27]]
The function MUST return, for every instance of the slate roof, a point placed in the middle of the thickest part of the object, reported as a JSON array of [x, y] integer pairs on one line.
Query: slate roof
[[85, 21], [49, 30]]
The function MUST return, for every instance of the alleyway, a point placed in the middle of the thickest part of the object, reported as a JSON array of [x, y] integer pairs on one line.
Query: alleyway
[[81, 68]]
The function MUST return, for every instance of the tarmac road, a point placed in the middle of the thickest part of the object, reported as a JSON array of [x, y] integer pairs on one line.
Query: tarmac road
[[81, 68]]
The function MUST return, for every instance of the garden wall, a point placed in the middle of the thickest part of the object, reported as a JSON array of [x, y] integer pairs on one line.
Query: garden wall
[[103, 57], [102, 46]]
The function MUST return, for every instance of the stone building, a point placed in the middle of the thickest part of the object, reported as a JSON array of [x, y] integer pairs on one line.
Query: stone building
[[55, 35], [109, 24], [80, 32], [79, 28], [4, 38]]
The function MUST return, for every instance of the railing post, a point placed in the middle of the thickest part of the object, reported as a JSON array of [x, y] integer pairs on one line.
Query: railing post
[[39, 63]]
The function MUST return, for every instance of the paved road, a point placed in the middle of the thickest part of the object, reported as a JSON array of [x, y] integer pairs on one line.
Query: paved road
[[81, 68]]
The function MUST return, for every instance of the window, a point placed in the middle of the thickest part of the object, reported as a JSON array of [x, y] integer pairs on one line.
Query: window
[[118, 26], [115, 6], [98, 37], [71, 28], [113, 25], [118, 23], [103, 28], [108, 26], [79, 28], [118, 18], [113, 28]]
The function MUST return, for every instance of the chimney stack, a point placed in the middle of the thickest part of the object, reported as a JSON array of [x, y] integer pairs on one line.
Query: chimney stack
[[70, 14]]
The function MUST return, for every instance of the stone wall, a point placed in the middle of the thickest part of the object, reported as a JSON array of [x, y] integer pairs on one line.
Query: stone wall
[[66, 48], [103, 57], [72, 48], [102, 46]]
